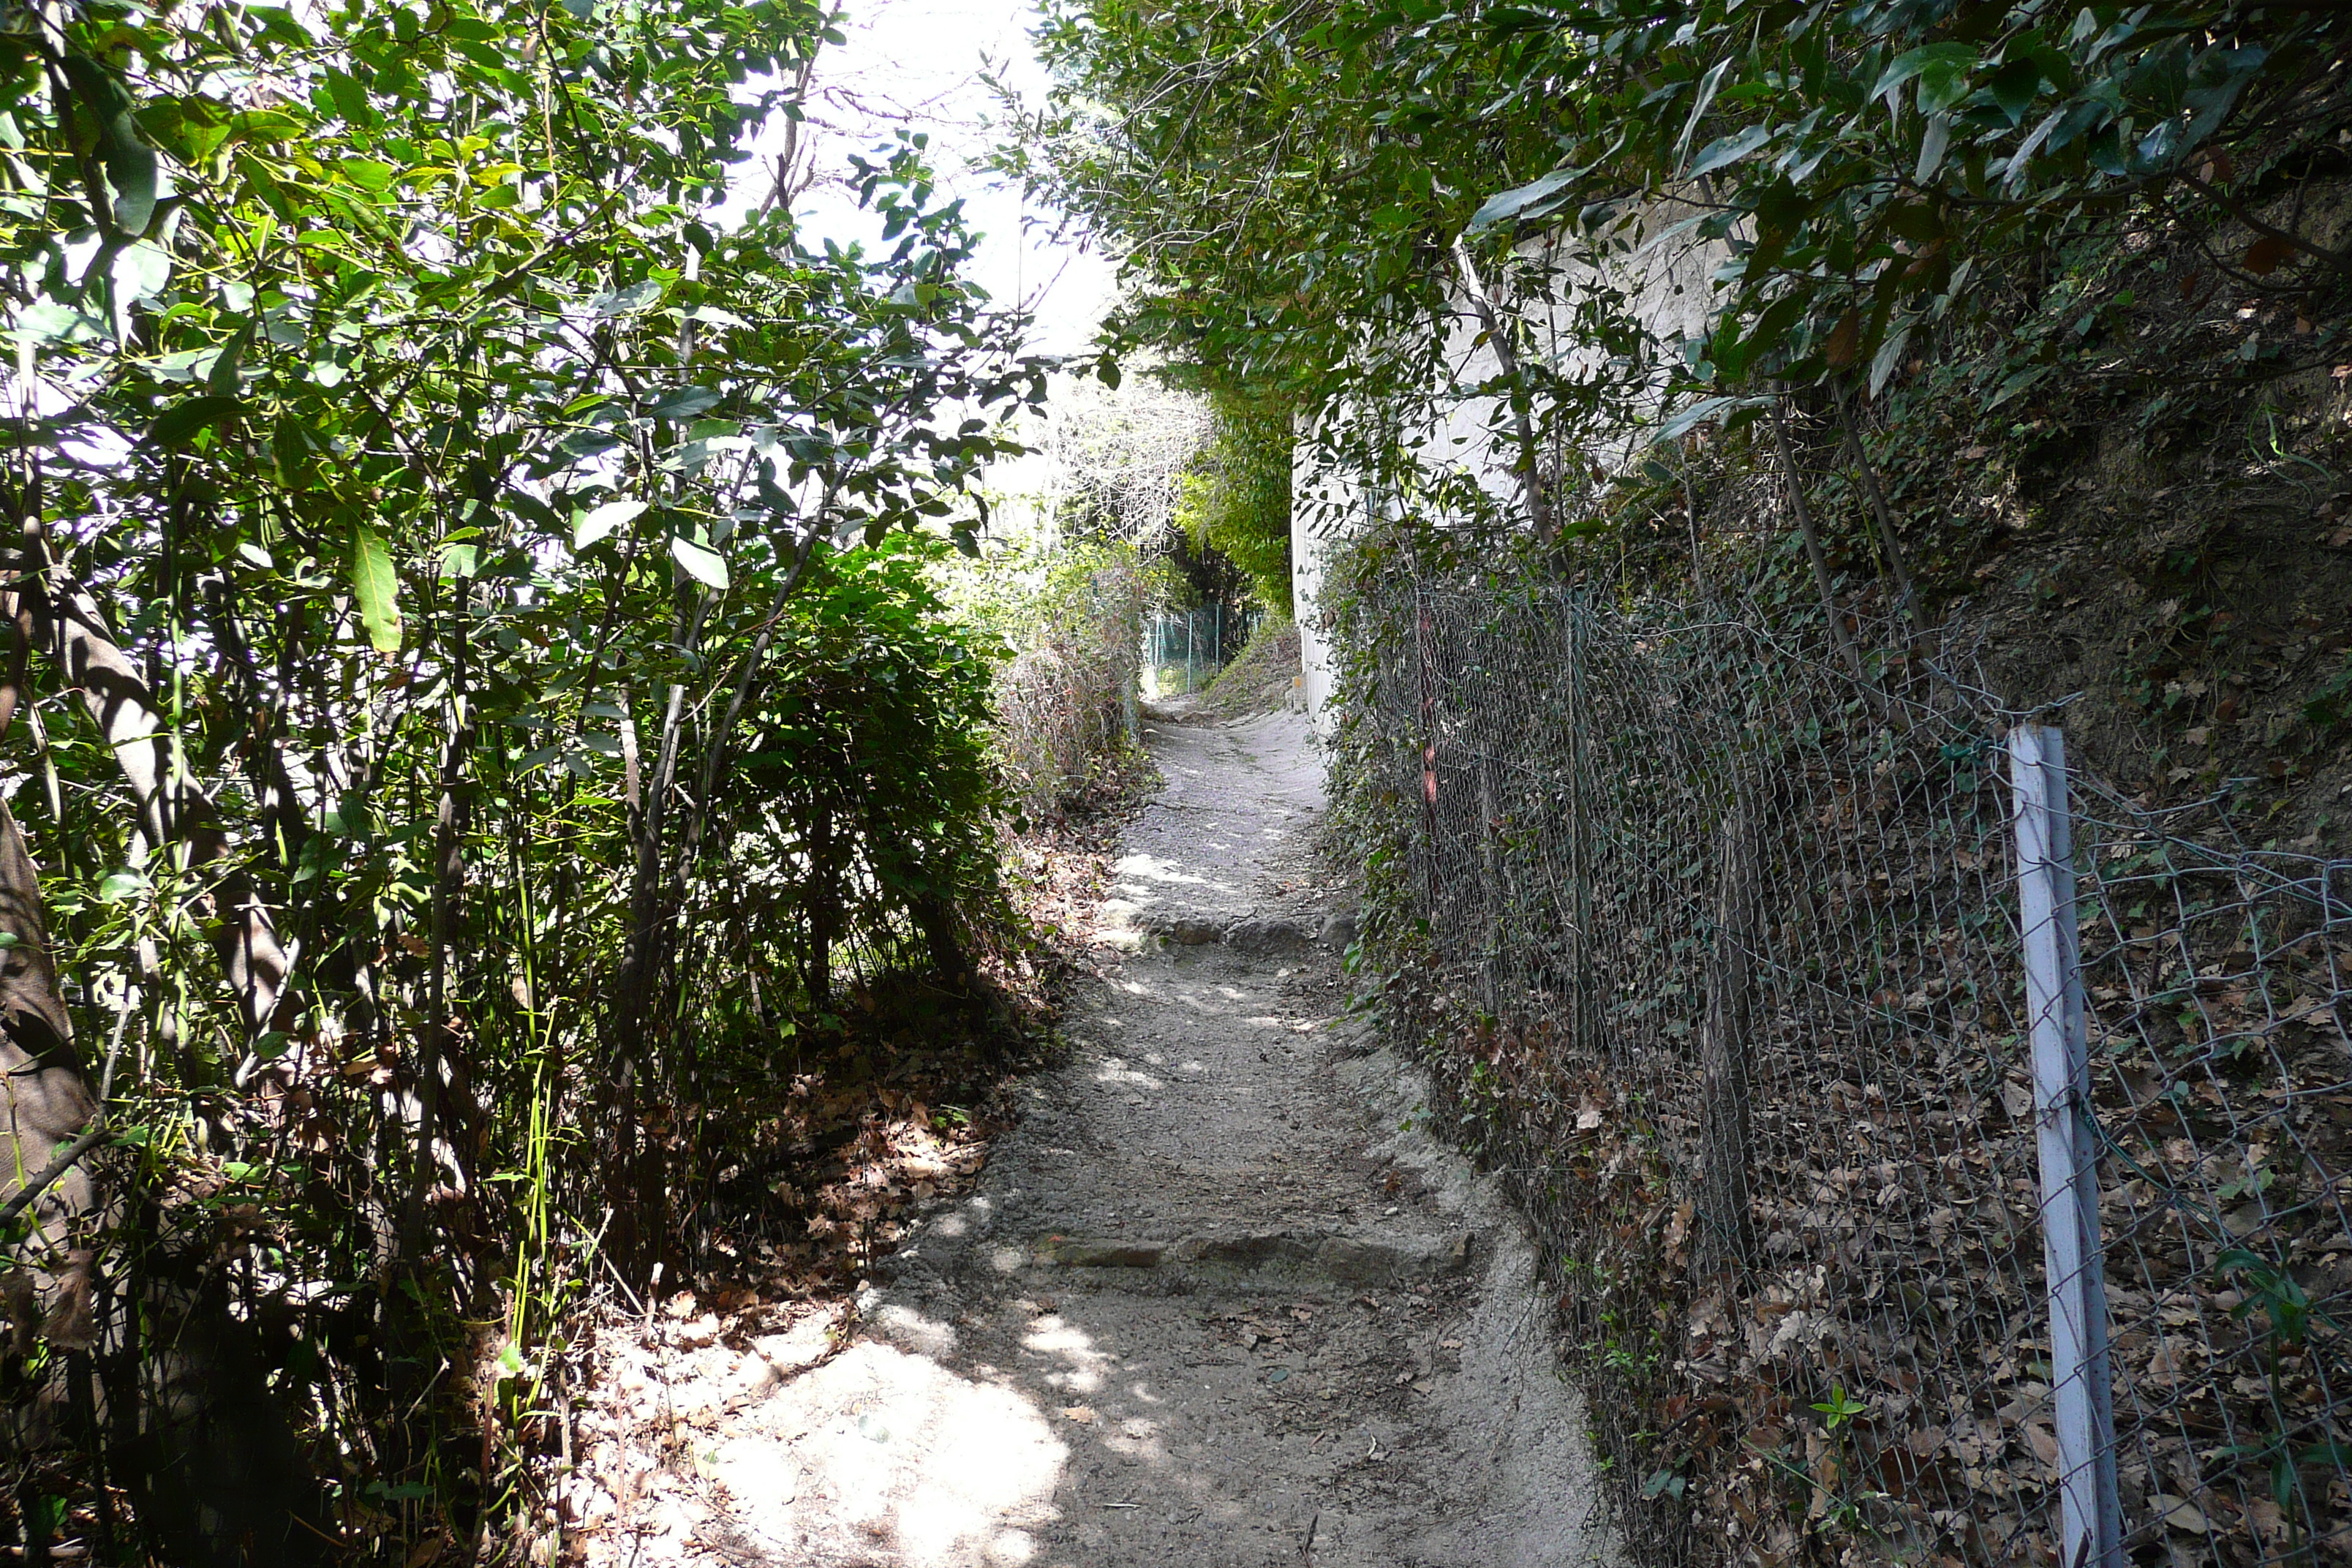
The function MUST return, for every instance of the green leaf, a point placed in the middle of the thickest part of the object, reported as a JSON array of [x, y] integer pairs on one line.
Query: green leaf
[[367, 173], [192, 128], [1943, 59], [592, 442], [1731, 149], [263, 126], [1537, 198], [131, 165], [705, 566], [178, 424], [684, 402], [1883, 364], [2013, 86], [629, 301], [596, 524], [51, 321], [1696, 413], [121, 887], [1699, 103], [1943, 85], [141, 270], [351, 100], [2021, 160], [2015, 382], [1933, 144], [376, 588]]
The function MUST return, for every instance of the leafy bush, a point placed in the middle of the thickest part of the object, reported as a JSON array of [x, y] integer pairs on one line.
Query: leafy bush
[[1070, 618], [464, 718], [1235, 500]]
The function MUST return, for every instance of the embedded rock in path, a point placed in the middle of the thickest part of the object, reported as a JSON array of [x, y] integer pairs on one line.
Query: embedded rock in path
[[1209, 1306]]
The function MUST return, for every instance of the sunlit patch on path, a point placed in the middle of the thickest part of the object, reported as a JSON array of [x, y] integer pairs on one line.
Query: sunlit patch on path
[[1210, 1306], [886, 1449]]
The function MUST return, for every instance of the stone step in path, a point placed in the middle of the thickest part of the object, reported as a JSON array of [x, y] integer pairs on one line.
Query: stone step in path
[[1216, 1303]]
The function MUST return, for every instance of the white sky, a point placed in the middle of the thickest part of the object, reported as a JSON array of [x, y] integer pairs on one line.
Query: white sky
[[919, 63]]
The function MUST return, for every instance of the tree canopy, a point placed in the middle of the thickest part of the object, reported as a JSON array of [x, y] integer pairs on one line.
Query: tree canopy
[[481, 689], [1292, 186]]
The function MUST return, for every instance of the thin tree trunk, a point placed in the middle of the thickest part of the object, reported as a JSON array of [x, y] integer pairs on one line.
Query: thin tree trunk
[[746, 681], [1506, 355], [1887, 538], [936, 921], [274, 788], [823, 910], [625, 1175], [171, 808], [636, 1179], [46, 1105], [218, 1477], [1804, 515], [448, 892]]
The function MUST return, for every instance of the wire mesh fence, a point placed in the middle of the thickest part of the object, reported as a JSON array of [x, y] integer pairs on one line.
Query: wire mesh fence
[[1183, 650], [1713, 946]]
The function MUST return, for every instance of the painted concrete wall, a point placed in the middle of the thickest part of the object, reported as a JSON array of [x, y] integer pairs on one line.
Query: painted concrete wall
[[1307, 553], [1667, 275]]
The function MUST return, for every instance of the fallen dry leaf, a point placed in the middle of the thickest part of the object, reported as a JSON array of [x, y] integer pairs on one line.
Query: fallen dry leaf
[[2180, 1514]]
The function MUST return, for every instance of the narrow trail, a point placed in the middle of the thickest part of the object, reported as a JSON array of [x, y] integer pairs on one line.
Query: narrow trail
[[1210, 1304]]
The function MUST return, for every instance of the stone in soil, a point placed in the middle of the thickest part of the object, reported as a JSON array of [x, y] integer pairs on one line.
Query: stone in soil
[[1190, 1318]]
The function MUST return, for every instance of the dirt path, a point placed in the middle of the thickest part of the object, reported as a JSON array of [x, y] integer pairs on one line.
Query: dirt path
[[1209, 1305]]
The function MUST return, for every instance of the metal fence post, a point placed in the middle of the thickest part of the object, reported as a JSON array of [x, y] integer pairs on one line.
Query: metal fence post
[[2090, 1515]]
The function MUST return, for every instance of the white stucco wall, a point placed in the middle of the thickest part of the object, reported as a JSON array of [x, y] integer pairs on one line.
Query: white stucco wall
[[1668, 276], [1326, 505]]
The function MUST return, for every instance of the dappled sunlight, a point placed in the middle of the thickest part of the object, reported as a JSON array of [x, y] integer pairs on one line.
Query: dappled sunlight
[[908, 1449], [1151, 869], [885, 1449], [1113, 1069], [1084, 1364]]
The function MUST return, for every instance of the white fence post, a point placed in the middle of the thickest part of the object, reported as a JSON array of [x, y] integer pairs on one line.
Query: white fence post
[[2090, 1515]]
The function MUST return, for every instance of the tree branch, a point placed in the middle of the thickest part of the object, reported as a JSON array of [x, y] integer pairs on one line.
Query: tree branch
[[67, 1158]]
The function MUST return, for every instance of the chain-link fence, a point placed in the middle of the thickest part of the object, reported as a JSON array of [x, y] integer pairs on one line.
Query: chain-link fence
[[1184, 649], [1713, 943]]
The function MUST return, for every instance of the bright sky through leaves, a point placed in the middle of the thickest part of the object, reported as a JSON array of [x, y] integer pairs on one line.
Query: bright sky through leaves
[[920, 64]]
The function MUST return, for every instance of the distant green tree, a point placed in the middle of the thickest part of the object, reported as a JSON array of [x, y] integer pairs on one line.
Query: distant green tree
[[1235, 499]]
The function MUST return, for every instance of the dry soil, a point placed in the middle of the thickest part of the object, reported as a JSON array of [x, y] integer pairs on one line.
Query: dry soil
[[1217, 1300]]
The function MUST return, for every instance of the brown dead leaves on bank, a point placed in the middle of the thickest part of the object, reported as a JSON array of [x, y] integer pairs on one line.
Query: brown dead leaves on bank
[[1878, 1386], [1875, 1385]]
